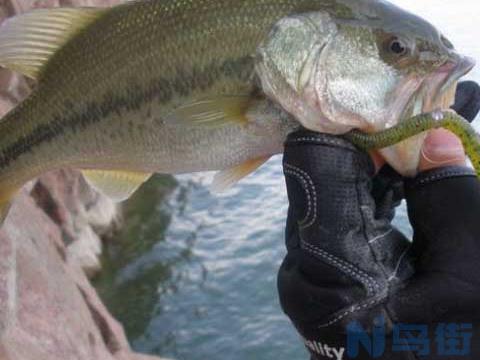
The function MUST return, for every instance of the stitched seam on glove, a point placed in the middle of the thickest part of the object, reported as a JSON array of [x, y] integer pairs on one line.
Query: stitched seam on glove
[[305, 181], [355, 308], [444, 175], [349, 269], [400, 262], [368, 216], [380, 237], [440, 174]]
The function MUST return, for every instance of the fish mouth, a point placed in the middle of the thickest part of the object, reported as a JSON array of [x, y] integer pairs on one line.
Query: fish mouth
[[439, 89]]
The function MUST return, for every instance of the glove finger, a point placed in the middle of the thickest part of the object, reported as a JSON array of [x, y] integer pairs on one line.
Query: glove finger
[[467, 100], [387, 192], [443, 208]]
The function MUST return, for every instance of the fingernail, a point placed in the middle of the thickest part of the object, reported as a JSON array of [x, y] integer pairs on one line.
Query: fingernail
[[441, 147]]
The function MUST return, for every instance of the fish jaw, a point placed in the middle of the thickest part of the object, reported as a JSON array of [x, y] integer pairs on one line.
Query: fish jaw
[[437, 92], [404, 157]]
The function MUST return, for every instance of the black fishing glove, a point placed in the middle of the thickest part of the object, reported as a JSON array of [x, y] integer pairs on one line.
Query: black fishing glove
[[353, 285]]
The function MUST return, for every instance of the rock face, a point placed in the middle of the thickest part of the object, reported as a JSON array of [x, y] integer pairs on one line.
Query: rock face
[[81, 214], [48, 309], [49, 243]]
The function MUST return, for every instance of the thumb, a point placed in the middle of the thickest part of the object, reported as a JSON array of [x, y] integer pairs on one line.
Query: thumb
[[441, 148]]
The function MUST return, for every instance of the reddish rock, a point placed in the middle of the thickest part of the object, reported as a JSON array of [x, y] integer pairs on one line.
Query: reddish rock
[[48, 309], [50, 240], [81, 214]]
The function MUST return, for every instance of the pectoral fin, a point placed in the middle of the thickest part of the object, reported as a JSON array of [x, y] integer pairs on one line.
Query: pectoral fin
[[118, 185], [225, 179], [212, 112]]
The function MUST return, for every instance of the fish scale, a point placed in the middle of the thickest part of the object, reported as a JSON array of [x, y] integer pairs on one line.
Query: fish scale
[[154, 40], [179, 86]]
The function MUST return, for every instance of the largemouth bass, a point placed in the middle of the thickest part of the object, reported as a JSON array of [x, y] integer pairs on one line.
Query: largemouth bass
[[175, 86]]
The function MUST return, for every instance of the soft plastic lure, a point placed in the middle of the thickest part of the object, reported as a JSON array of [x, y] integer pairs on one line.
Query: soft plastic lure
[[448, 120]]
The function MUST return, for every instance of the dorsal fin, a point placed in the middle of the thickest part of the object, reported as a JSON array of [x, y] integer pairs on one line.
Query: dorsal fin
[[27, 41]]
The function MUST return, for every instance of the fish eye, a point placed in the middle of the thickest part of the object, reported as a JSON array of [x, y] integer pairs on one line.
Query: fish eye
[[398, 46]]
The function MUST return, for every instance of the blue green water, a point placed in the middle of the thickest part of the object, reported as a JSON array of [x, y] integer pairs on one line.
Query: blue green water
[[203, 282], [192, 275]]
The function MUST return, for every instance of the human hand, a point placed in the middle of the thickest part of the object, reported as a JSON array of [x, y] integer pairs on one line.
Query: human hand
[[441, 147], [347, 265]]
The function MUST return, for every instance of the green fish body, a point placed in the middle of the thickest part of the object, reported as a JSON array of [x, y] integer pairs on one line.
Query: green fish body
[[175, 86], [106, 98]]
